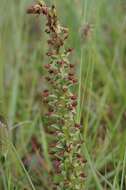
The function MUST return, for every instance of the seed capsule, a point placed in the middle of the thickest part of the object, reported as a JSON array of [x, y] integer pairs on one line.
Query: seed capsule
[[45, 93], [73, 97]]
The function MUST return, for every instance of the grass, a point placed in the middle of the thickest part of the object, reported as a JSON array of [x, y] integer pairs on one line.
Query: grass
[[100, 65]]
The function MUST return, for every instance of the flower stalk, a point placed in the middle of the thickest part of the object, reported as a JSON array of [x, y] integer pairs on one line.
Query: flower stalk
[[65, 148]]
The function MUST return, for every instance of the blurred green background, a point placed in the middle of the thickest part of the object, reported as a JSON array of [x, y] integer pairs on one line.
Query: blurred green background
[[103, 89]]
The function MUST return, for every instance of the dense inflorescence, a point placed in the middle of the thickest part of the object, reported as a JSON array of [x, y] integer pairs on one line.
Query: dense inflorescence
[[66, 148]]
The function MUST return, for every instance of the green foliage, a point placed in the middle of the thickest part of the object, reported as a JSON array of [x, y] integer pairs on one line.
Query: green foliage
[[102, 92]]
